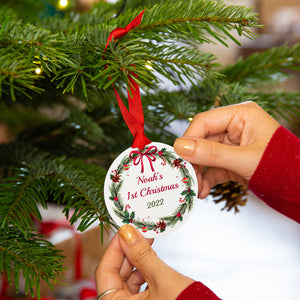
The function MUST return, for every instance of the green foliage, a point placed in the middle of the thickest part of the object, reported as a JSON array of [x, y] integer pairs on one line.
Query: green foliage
[[269, 66], [69, 182], [30, 256], [65, 124], [23, 49], [73, 59]]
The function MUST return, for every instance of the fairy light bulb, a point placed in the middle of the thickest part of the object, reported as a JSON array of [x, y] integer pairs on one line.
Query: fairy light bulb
[[149, 65], [38, 71], [63, 4]]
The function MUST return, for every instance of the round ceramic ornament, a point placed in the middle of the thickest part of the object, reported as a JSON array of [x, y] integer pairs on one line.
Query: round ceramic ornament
[[153, 189]]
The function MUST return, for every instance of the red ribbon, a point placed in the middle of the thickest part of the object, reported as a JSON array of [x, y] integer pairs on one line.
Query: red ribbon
[[119, 32], [139, 158], [134, 117]]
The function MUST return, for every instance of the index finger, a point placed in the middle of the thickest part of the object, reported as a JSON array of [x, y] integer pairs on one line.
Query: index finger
[[212, 122]]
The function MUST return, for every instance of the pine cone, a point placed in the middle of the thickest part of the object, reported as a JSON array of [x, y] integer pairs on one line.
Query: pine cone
[[232, 192]]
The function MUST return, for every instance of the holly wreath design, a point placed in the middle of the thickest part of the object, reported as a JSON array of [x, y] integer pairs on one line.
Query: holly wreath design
[[151, 153]]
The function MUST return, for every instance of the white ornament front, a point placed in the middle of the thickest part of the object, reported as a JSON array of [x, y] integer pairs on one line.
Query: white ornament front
[[153, 189]]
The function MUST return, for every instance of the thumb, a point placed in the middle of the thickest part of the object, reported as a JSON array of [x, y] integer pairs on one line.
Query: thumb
[[140, 254], [163, 281], [239, 159]]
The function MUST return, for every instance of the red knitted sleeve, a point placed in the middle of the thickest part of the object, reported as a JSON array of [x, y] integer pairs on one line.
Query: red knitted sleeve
[[197, 290], [277, 178]]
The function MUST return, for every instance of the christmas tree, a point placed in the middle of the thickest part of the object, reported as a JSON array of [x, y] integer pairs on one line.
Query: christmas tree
[[57, 79]]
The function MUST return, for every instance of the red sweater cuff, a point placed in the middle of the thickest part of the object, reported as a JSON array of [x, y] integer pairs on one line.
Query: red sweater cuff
[[277, 178], [197, 290]]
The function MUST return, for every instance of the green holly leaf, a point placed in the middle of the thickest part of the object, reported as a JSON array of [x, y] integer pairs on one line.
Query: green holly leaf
[[126, 221], [191, 193], [132, 215]]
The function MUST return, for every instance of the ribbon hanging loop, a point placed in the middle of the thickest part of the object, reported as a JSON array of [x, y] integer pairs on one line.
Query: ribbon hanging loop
[[134, 117]]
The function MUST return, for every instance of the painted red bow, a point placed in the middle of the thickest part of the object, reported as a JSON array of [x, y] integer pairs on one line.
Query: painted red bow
[[140, 156]]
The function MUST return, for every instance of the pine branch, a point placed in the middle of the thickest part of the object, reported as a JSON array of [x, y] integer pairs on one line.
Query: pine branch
[[78, 135], [265, 67], [72, 183], [19, 199], [165, 106], [178, 63], [23, 48], [37, 43], [281, 105], [15, 77], [30, 256], [220, 93], [198, 20], [75, 58]]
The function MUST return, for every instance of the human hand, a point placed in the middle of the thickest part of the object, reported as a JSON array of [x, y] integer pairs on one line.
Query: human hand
[[229, 140], [129, 250]]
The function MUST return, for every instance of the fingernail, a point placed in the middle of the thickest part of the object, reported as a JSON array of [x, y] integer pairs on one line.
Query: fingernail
[[184, 146], [128, 234]]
